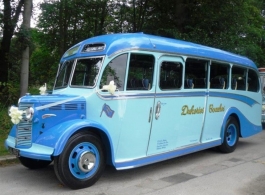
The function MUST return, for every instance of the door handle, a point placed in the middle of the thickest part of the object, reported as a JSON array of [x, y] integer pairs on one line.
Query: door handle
[[158, 109]]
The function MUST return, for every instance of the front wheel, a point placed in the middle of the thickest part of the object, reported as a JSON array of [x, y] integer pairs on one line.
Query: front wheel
[[81, 163], [231, 136]]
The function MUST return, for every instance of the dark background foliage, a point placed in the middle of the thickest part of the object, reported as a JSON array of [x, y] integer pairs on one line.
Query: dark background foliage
[[232, 25]]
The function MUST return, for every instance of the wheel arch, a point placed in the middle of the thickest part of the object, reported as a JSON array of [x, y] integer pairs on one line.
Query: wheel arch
[[105, 140], [246, 128], [232, 112], [64, 131]]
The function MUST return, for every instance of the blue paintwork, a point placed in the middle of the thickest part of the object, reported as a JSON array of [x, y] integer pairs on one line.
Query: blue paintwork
[[245, 124], [239, 97], [160, 157], [36, 151], [58, 135], [12, 132], [57, 105], [118, 42], [56, 138]]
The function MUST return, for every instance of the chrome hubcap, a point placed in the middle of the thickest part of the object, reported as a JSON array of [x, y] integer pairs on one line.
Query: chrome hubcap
[[87, 161]]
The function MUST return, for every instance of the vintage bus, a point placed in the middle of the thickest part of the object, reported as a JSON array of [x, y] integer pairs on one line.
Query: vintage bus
[[129, 100]]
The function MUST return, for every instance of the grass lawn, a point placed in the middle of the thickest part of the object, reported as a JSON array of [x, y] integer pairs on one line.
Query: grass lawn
[[3, 150], [5, 126]]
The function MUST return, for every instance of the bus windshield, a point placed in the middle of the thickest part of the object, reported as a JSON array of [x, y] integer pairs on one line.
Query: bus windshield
[[85, 72], [64, 74]]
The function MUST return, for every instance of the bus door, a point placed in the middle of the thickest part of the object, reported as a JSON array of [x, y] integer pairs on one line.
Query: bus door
[[179, 105]]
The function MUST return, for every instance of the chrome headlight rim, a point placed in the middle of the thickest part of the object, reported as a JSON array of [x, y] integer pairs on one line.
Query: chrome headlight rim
[[29, 113]]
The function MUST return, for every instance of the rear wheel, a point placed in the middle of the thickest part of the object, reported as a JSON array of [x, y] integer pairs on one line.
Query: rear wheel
[[81, 163], [231, 136], [33, 163]]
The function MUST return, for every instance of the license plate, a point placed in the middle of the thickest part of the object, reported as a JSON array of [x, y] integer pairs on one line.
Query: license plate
[[13, 151]]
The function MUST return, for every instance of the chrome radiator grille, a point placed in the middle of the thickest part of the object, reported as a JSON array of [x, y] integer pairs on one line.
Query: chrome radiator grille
[[24, 128]]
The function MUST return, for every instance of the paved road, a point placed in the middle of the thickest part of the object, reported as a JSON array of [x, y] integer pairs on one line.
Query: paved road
[[204, 173]]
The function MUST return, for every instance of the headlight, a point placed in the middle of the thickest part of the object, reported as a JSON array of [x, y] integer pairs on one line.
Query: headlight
[[29, 113]]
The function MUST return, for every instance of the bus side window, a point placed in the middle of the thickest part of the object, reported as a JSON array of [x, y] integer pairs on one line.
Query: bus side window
[[170, 75], [219, 75], [115, 71], [239, 77], [141, 70], [196, 74], [253, 81]]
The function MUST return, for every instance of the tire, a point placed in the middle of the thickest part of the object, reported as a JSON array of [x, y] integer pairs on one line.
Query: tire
[[33, 163], [82, 161], [231, 136]]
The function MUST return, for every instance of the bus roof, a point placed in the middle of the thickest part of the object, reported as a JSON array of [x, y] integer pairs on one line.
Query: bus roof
[[114, 43]]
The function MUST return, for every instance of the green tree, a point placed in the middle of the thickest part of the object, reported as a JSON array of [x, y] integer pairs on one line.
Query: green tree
[[64, 22], [236, 25], [233, 25], [43, 62]]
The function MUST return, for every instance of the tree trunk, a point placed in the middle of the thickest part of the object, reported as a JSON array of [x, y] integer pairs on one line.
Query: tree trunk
[[61, 26], [8, 32], [24, 76]]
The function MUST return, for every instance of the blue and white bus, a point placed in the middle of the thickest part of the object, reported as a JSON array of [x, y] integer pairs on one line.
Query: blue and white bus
[[129, 100]]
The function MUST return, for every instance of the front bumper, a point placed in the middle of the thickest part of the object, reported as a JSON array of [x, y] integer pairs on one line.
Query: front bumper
[[36, 151]]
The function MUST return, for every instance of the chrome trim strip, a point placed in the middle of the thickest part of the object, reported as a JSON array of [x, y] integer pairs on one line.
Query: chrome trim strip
[[117, 96]]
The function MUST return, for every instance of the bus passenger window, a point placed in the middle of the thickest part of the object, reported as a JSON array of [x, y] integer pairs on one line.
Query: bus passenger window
[[115, 70], [239, 78], [196, 74], [170, 75], [253, 81], [141, 70], [219, 75]]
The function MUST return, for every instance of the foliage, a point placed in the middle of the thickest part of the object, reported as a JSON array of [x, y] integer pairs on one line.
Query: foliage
[[9, 93], [5, 128], [232, 25], [9, 19], [43, 61]]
